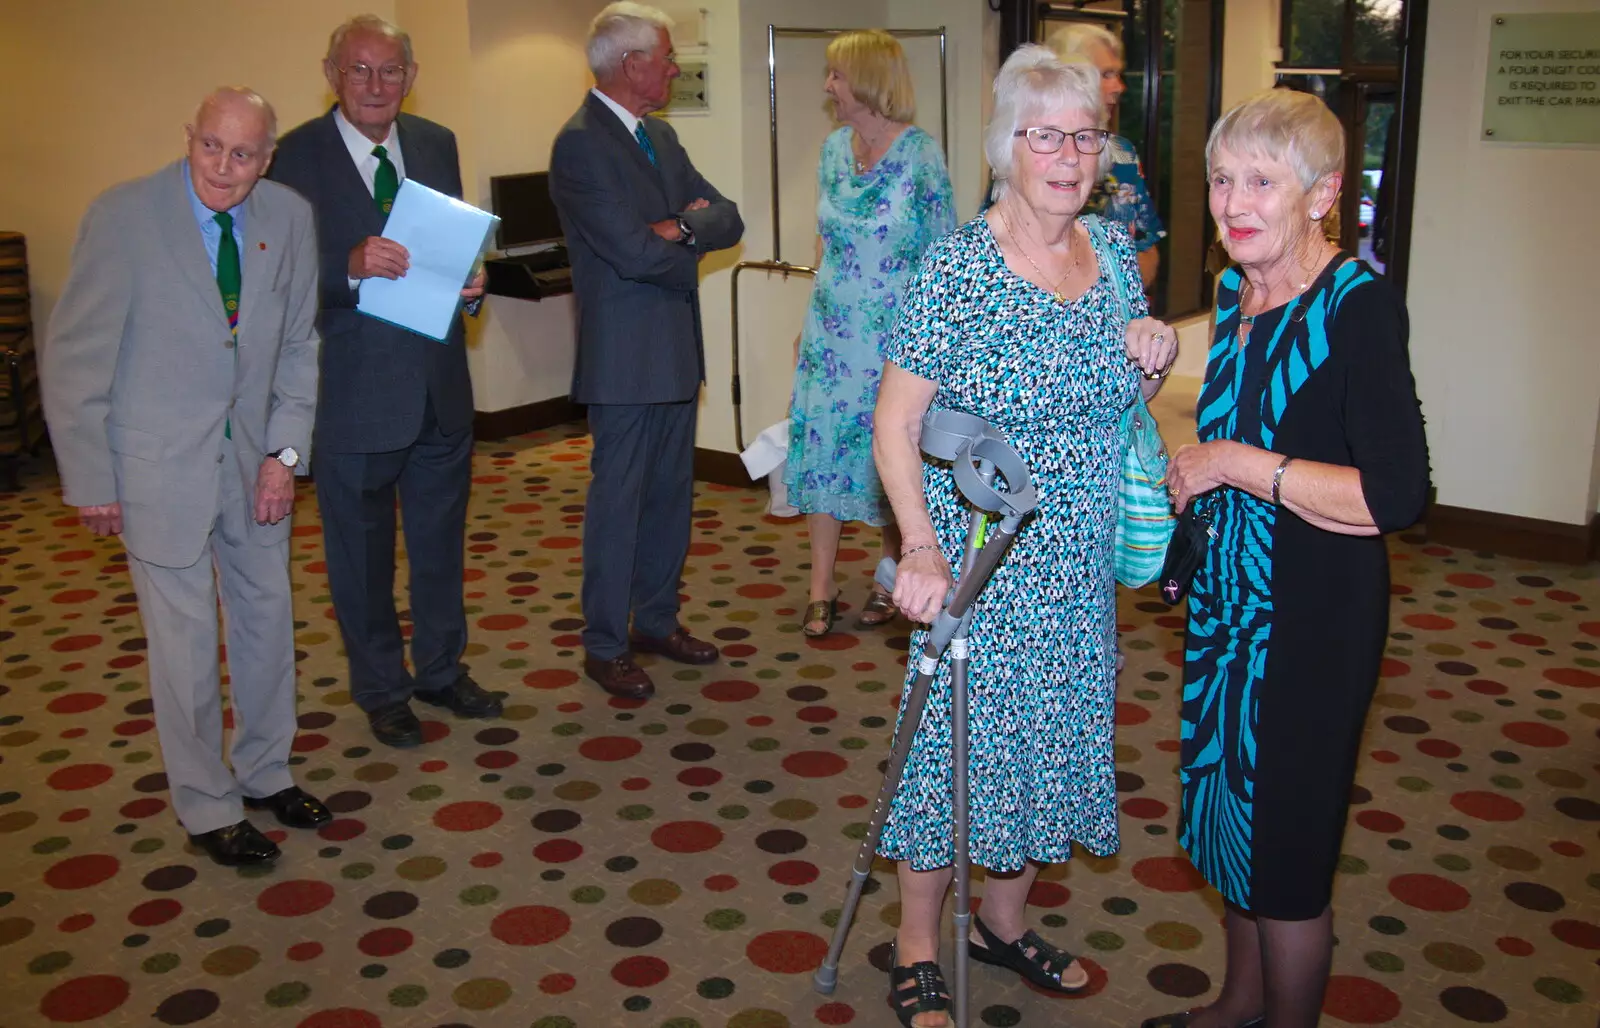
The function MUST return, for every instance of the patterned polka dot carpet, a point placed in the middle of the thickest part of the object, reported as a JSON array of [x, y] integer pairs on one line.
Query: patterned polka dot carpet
[[590, 862]]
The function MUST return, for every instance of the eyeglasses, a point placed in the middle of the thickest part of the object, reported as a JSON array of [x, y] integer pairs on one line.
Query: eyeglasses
[[1049, 140], [671, 56], [389, 74]]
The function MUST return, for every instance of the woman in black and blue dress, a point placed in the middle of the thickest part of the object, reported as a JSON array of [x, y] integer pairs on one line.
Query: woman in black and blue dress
[[1311, 447], [1016, 317]]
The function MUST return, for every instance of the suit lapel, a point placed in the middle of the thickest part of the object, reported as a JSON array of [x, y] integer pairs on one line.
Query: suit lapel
[[181, 234], [352, 190], [264, 248], [612, 126]]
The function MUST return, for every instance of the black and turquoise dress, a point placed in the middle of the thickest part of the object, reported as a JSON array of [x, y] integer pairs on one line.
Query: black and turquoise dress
[[1287, 621]]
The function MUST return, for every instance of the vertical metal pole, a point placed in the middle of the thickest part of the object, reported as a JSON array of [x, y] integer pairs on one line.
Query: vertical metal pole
[[962, 917], [772, 132], [944, 99]]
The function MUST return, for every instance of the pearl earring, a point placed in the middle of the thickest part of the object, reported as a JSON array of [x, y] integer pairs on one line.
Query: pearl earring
[[1315, 216]]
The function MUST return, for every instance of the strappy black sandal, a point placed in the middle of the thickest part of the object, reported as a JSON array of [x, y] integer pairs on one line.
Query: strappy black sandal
[[1181, 1020], [929, 996], [1030, 956]]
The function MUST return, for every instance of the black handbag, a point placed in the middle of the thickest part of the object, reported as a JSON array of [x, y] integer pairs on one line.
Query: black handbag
[[1186, 552]]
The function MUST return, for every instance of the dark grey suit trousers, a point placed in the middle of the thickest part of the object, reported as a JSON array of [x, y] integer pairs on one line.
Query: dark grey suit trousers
[[636, 520]]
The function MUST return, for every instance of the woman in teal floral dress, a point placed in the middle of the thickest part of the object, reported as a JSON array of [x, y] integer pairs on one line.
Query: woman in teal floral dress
[[883, 196]]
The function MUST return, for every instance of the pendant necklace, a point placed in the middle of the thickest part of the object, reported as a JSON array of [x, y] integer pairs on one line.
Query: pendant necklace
[[1072, 246], [1249, 320]]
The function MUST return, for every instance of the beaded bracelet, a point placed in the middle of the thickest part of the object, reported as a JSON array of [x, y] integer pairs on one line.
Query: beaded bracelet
[[918, 549]]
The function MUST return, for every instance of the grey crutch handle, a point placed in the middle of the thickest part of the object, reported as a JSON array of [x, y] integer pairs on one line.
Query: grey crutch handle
[[965, 440]]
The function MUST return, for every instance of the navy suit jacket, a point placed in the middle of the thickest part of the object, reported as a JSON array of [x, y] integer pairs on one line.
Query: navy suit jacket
[[638, 295], [376, 378]]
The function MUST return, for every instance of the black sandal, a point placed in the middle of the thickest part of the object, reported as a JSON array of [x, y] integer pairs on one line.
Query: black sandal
[[1030, 956], [930, 995]]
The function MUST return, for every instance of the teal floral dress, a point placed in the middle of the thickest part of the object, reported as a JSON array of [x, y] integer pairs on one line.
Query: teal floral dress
[[1122, 198], [874, 228]]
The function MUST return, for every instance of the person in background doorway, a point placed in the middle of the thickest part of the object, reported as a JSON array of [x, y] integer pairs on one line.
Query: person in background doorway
[[883, 197], [179, 379], [1120, 195], [396, 410]]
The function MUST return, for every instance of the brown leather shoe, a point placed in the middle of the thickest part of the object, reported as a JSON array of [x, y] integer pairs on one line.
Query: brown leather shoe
[[679, 646], [620, 676]]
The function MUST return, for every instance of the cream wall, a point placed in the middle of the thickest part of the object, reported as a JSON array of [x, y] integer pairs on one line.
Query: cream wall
[[1502, 297], [92, 93]]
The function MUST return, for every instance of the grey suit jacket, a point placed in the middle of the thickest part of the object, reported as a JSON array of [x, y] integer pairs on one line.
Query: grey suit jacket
[[140, 372], [638, 295]]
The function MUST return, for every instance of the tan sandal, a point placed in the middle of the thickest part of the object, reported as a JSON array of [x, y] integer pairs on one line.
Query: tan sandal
[[878, 610], [825, 611]]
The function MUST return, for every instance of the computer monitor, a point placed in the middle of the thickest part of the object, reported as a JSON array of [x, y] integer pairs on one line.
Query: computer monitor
[[527, 216]]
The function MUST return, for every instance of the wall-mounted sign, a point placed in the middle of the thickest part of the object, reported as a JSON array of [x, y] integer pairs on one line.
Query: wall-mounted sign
[[689, 91], [1543, 84]]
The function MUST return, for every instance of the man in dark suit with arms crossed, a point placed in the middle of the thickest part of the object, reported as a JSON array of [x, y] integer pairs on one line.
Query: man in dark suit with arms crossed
[[395, 413], [637, 217]]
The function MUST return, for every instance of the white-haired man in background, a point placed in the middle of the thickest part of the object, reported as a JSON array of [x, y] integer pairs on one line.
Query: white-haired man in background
[[637, 218]]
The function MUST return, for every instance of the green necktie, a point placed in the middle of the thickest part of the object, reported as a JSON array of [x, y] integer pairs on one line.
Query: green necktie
[[228, 281], [644, 142], [386, 182]]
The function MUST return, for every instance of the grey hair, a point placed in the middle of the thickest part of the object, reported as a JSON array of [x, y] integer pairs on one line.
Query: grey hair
[[619, 29], [1075, 42], [1283, 125], [247, 95], [1033, 81], [375, 25]]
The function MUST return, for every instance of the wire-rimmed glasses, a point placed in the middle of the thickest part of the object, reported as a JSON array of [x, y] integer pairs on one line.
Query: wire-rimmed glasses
[[361, 74]]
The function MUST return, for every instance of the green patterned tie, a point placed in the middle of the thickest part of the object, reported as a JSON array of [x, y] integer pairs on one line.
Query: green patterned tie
[[386, 182], [228, 281]]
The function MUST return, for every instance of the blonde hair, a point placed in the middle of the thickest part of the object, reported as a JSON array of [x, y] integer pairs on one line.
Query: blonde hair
[[1283, 125], [874, 64], [1074, 43], [1032, 81]]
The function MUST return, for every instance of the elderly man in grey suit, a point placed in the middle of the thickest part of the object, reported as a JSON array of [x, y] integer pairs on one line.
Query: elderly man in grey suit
[[180, 376], [637, 217]]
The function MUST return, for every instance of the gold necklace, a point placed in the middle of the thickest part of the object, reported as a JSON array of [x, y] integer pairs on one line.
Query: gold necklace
[[1248, 320], [1072, 245]]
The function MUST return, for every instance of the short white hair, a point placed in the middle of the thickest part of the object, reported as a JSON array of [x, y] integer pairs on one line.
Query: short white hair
[[1283, 125], [373, 25], [619, 29], [1074, 42], [1033, 81]]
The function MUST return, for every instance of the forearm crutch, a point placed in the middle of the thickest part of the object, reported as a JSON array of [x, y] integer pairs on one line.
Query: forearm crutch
[[978, 452]]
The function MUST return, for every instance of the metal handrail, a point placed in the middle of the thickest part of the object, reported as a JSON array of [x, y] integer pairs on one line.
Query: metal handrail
[[785, 269]]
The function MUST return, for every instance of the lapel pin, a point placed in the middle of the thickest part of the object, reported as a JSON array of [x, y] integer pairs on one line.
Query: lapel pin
[[262, 245]]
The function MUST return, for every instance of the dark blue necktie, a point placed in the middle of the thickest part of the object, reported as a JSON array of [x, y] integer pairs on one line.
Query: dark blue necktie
[[644, 141]]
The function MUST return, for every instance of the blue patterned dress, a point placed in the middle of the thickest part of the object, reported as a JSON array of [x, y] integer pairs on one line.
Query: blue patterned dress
[[1287, 622], [874, 228], [1054, 378], [1121, 196]]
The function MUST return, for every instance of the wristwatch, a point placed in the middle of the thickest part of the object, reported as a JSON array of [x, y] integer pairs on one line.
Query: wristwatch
[[685, 233], [288, 456]]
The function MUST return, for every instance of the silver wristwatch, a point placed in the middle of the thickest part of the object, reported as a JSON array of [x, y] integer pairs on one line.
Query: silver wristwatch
[[288, 456]]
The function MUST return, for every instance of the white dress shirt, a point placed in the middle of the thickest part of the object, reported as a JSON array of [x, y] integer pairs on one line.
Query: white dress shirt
[[360, 148], [630, 121]]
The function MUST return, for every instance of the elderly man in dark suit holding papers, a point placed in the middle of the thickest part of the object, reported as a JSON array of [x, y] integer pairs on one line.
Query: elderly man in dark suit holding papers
[[637, 218], [396, 409], [179, 376]]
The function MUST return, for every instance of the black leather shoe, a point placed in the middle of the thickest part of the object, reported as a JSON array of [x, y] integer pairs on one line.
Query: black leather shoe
[[238, 845], [395, 725], [294, 807], [465, 698]]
